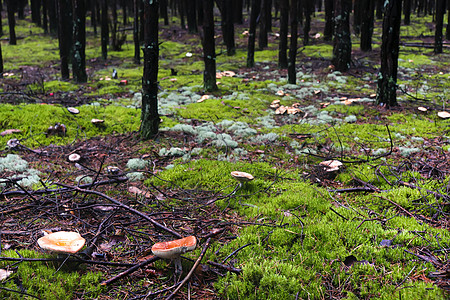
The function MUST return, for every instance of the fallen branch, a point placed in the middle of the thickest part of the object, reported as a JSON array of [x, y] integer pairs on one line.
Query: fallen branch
[[131, 270], [197, 262], [225, 267]]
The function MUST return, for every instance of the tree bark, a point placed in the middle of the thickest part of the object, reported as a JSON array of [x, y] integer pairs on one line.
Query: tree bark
[[238, 19], [342, 44], [209, 50], [380, 9], [52, 20], [228, 25], [64, 11], [387, 78], [104, 29], [357, 16], [11, 22], [79, 41], [407, 12], [256, 7], [93, 16], [150, 116], [163, 10], [35, 6], [1, 62], [367, 8], [284, 27], [307, 11], [192, 16], [440, 11], [329, 20], [292, 74], [447, 31], [137, 44], [263, 40]]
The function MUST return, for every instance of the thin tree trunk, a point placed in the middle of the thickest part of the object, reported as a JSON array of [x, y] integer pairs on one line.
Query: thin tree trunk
[[93, 16], [182, 11], [367, 8], [1, 22], [209, 50], [440, 11], [163, 10], [104, 29], [292, 74], [52, 20], [307, 7], [263, 39], [238, 19], [407, 12], [150, 116], [79, 41], [36, 12], [387, 81], [64, 11], [284, 27], [342, 44], [1, 62], [447, 31], [11, 22], [44, 16], [192, 16], [137, 45], [256, 7], [357, 15], [228, 26], [329, 20], [380, 9]]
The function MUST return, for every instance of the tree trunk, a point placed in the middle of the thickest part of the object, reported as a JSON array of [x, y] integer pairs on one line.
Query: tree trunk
[[52, 20], [238, 19], [342, 44], [263, 39], [1, 22], [329, 20], [199, 11], [192, 16], [64, 11], [11, 22], [104, 29], [93, 16], [367, 8], [307, 11], [113, 27], [44, 16], [163, 10], [380, 9], [149, 116], [284, 27], [182, 12], [256, 7], [357, 15], [79, 41], [36, 12], [292, 74], [387, 78], [440, 11], [20, 9], [1, 62], [209, 51], [447, 31], [137, 45], [228, 26], [407, 12], [268, 14]]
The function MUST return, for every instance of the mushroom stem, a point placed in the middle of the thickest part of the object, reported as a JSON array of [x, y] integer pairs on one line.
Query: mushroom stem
[[178, 268]]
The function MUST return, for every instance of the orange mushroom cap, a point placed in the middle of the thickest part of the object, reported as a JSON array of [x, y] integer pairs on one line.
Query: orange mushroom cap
[[62, 241], [173, 249]]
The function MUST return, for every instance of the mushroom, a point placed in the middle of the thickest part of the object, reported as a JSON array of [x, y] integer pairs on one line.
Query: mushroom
[[74, 157], [13, 143], [73, 110], [443, 114], [173, 249], [331, 165], [68, 242], [242, 176], [97, 121]]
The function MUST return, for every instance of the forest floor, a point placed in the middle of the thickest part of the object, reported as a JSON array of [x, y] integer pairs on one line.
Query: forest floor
[[376, 228]]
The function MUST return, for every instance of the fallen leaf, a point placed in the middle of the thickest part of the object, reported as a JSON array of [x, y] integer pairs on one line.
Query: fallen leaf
[[10, 131]]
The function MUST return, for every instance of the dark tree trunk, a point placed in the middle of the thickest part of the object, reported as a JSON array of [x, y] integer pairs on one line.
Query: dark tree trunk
[[79, 41], [342, 44], [113, 27], [284, 27], [163, 10], [407, 12], [387, 81], [20, 9], [1, 62], [182, 11], [123, 3], [329, 20], [447, 31], [256, 7], [268, 14], [150, 116], [199, 11], [192, 16], [367, 8], [263, 39], [209, 50], [228, 25], [105, 29], [64, 10], [307, 11], [1, 22], [357, 14], [44, 16], [137, 45], [380, 9], [292, 74], [11, 6], [52, 20], [440, 11], [36, 12], [238, 18], [93, 16]]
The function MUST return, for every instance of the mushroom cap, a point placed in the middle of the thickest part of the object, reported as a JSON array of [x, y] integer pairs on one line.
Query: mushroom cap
[[421, 108], [62, 241], [74, 157], [242, 176], [173, 249], [331, 165], [443, 114], [73, 110], [13, 143], [97, 121]]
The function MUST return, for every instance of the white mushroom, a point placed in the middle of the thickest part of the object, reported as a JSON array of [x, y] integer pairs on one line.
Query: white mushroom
[[74, 157], [68, 242], [97, 121], [242, 176], [331, 165], [73, 110], [443, 114]]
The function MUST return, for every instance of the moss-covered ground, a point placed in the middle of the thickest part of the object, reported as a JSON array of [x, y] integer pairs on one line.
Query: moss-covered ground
[[376, 229]]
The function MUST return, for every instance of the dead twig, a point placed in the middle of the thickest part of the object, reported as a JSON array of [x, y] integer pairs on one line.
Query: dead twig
[[225, 267], [197, 262], [130, 270]]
